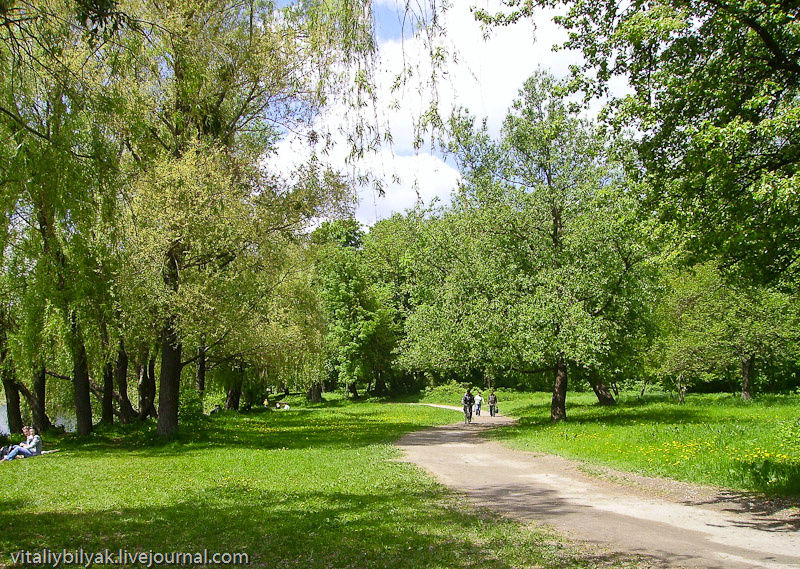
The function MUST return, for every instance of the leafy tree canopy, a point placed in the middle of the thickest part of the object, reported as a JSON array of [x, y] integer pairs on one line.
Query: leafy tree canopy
[[715, 100]]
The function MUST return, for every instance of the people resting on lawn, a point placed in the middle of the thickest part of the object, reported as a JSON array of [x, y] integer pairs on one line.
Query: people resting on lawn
[[30, 448]]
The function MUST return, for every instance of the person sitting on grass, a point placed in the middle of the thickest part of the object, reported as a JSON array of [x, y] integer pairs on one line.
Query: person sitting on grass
[[6, 449], [30, 448]]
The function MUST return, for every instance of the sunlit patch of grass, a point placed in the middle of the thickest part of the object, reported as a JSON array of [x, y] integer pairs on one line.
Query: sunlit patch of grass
[[716, 439]]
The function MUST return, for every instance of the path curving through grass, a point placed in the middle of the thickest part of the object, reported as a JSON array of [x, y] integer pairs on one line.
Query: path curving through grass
[[667, 524]]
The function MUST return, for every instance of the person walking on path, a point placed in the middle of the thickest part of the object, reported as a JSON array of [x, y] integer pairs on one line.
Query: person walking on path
[[492, 404], [478, 403], [468, 401]]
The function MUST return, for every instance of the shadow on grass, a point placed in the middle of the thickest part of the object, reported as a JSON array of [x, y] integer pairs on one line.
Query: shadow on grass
[[255, 430], [771, 477], [763, 509], [299, 530], [533, 416]]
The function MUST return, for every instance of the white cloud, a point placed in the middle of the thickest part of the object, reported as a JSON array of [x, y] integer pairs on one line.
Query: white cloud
[[481, 75], [420, 178]]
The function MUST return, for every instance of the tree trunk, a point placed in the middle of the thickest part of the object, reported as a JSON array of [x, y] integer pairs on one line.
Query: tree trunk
[[147, 388], [38, 409], [13, 411], [558, 406], [644, 386], [315, 393], [107, 416], [234, 396], [604, 396], [9, 381], [169, 382], [747, 376], [126, 410], [36, 400], [681, 389], [353, 390], [80, 378], [380, 384], [200, 375], [77, 347]]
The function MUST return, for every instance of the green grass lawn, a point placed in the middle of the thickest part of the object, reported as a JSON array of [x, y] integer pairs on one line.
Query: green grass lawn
[[316, 487], [717, 439]]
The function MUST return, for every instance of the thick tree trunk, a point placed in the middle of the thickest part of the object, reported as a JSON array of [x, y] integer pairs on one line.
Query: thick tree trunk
[[604, 396], [141, 373], [200, 375], [147, 389], [80, 378], [82, 391], [151, 385], [558, 406], [315, 393], [13, 410], [234, 396], [107, 416], [36, 400], [38, 408], [9, 381], [107, 394], [169, 382], [77, 347], [353, 390], [747, 376], [171, 366], [126, 410]]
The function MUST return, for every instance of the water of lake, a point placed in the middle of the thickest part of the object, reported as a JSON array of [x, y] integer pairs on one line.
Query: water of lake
[[66, 421]]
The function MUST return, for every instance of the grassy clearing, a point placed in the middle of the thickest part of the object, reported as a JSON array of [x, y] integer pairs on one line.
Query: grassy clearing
[[717, 439], [306, 488]]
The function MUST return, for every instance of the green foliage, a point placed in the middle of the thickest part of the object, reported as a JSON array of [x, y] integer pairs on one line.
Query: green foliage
[[134, 199], [190, 411], [708, 326], [714, 96], [362, 331], [541, 257]]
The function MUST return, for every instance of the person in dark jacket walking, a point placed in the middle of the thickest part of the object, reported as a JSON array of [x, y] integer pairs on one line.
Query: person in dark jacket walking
[[468, 401], [492, 403]]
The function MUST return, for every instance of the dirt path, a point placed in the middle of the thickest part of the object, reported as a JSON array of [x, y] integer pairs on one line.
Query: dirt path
[[669, 524]]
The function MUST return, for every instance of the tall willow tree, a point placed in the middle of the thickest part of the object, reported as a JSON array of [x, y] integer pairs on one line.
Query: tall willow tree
[[133, 136], [58, 166], [214, 85]]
